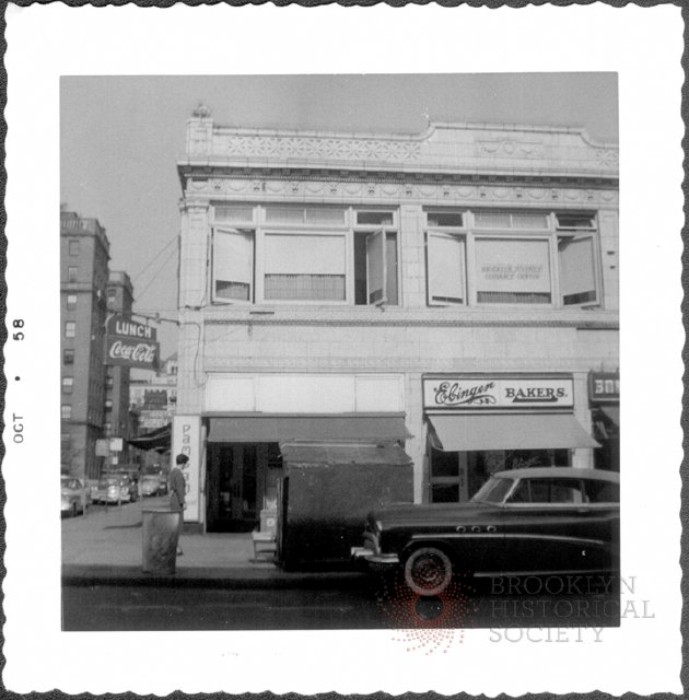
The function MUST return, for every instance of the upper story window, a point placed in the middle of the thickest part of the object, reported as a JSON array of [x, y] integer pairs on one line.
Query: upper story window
[[68, 356], [71, 301], [74, 246], [512, 257], [72, 274], [281, 253], [66, 411], [70, 329], [67, 385]]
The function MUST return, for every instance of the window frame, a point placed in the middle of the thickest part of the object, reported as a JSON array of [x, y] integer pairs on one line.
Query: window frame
[[70, 329], [469, 234], [259, 228]]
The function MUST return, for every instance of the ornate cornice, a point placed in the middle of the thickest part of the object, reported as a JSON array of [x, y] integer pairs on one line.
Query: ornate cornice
[[474, 191]]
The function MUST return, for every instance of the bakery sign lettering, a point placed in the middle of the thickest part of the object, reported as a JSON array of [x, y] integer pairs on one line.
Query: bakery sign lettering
[[129, 343], [489, 392]]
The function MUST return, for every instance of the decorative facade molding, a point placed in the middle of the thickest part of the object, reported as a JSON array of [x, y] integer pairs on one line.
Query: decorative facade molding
[[248, 363], [319, 189]]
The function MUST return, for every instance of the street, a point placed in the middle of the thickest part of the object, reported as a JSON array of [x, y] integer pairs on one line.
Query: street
[[353, 604]]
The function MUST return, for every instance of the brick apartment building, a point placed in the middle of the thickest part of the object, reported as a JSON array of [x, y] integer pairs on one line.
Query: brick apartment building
[[453, 292], [84, 256]]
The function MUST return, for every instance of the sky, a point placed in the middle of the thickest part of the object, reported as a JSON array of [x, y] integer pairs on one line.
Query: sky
[[121, 137]]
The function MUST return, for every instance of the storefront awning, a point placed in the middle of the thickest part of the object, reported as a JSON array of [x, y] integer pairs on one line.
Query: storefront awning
[[458, 433], [360, 427], [159, 440], [324, 454]]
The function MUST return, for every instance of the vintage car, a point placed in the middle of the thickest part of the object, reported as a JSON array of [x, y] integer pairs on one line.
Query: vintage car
[[114, 489], [152, 485], [75, 497], [540, 521]]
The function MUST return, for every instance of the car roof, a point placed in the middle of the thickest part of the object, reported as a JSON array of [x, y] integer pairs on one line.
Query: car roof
[[561, 472]]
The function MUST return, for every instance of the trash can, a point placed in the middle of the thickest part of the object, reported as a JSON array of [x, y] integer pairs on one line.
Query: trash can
[[160, 532]]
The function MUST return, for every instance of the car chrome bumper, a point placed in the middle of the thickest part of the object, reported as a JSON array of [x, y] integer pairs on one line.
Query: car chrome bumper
[[366, 554]]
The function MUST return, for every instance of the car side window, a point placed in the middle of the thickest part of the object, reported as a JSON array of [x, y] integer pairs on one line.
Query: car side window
[[549, 491], [602, 491]]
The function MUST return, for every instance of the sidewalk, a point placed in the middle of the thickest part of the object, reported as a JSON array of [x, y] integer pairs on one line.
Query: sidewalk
[[104, 547]]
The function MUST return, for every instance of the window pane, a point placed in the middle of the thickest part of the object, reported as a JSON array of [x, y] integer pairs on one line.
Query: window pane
[[444, 463], [325, 216], [517, 220], [72, 274], [445, 218], [446, 269], [233, 264], [308, 267], [577, 276], [509, 271], [391, 263], [294, 215], [375, 260], [69, 357], [70, 329], [445, 493], [575, 220], [71, 301], [374, 218], [492, 219], [233, 212]]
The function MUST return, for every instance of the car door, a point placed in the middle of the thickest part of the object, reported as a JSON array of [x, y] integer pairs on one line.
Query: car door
[[550, 527]]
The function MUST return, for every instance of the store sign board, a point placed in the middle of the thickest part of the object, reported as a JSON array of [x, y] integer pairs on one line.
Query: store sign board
[[494, 392], [130, 343], [604, 387], [186, 440]]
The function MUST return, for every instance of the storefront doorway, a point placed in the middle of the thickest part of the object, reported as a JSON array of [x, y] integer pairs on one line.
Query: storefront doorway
[[238, 477]]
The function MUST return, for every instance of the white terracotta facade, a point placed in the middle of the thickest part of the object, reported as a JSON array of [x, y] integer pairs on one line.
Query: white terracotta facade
[[470, 194]]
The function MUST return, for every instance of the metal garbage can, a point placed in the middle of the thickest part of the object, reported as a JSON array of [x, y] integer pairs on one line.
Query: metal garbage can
[[160, 533]]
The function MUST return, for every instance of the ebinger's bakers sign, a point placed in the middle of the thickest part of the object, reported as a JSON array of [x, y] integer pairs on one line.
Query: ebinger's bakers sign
[[496, 392]]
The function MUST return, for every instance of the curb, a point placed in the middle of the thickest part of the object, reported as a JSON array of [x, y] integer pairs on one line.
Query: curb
[[235, 578]]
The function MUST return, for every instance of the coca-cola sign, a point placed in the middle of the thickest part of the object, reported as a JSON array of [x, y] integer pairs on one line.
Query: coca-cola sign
[[130, 352]]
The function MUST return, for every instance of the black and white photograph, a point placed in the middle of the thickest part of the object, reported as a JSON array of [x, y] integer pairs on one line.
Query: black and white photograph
[[338, 354], [390, 353]]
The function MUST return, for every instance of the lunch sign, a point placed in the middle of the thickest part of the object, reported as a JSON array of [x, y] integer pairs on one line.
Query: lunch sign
[[497, 392], [130, 343]]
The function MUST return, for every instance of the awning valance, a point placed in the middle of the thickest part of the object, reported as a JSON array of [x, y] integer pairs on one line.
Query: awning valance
[[281, 428], [321, 454], [470, 433]]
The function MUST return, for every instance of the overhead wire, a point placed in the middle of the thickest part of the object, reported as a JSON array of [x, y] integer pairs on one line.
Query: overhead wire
[[157, 255]]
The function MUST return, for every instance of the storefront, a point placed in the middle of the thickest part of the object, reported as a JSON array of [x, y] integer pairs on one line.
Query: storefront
[[604, 397], [246, 463], [480, 424]]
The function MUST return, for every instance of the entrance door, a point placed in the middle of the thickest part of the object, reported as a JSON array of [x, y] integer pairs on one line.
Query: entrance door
[[231, 487]]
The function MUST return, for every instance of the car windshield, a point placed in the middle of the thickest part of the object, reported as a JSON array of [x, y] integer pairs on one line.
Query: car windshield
[[494, 490], [70, 484]]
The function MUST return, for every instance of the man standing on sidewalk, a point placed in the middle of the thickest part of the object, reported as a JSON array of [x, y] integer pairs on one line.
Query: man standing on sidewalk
[[178, 490]]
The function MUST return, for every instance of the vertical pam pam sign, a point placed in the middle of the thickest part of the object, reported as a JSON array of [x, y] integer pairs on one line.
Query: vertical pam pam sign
[[186, 439], [130, 343]]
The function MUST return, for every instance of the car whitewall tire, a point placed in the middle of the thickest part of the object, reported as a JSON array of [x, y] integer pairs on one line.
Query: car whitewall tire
[[428, 571]]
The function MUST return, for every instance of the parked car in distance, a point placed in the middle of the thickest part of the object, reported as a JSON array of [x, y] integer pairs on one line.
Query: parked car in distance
[[113, 489], [76, 497], [534, 521], [152, 485]]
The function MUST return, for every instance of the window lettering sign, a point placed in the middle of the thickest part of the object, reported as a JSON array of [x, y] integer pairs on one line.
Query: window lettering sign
[[604, 386], [486, 392]]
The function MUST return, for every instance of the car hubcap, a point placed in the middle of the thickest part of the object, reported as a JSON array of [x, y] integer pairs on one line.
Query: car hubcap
[[428, 571]]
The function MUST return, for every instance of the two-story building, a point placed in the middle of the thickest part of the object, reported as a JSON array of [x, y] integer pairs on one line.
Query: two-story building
[[450, 292]]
